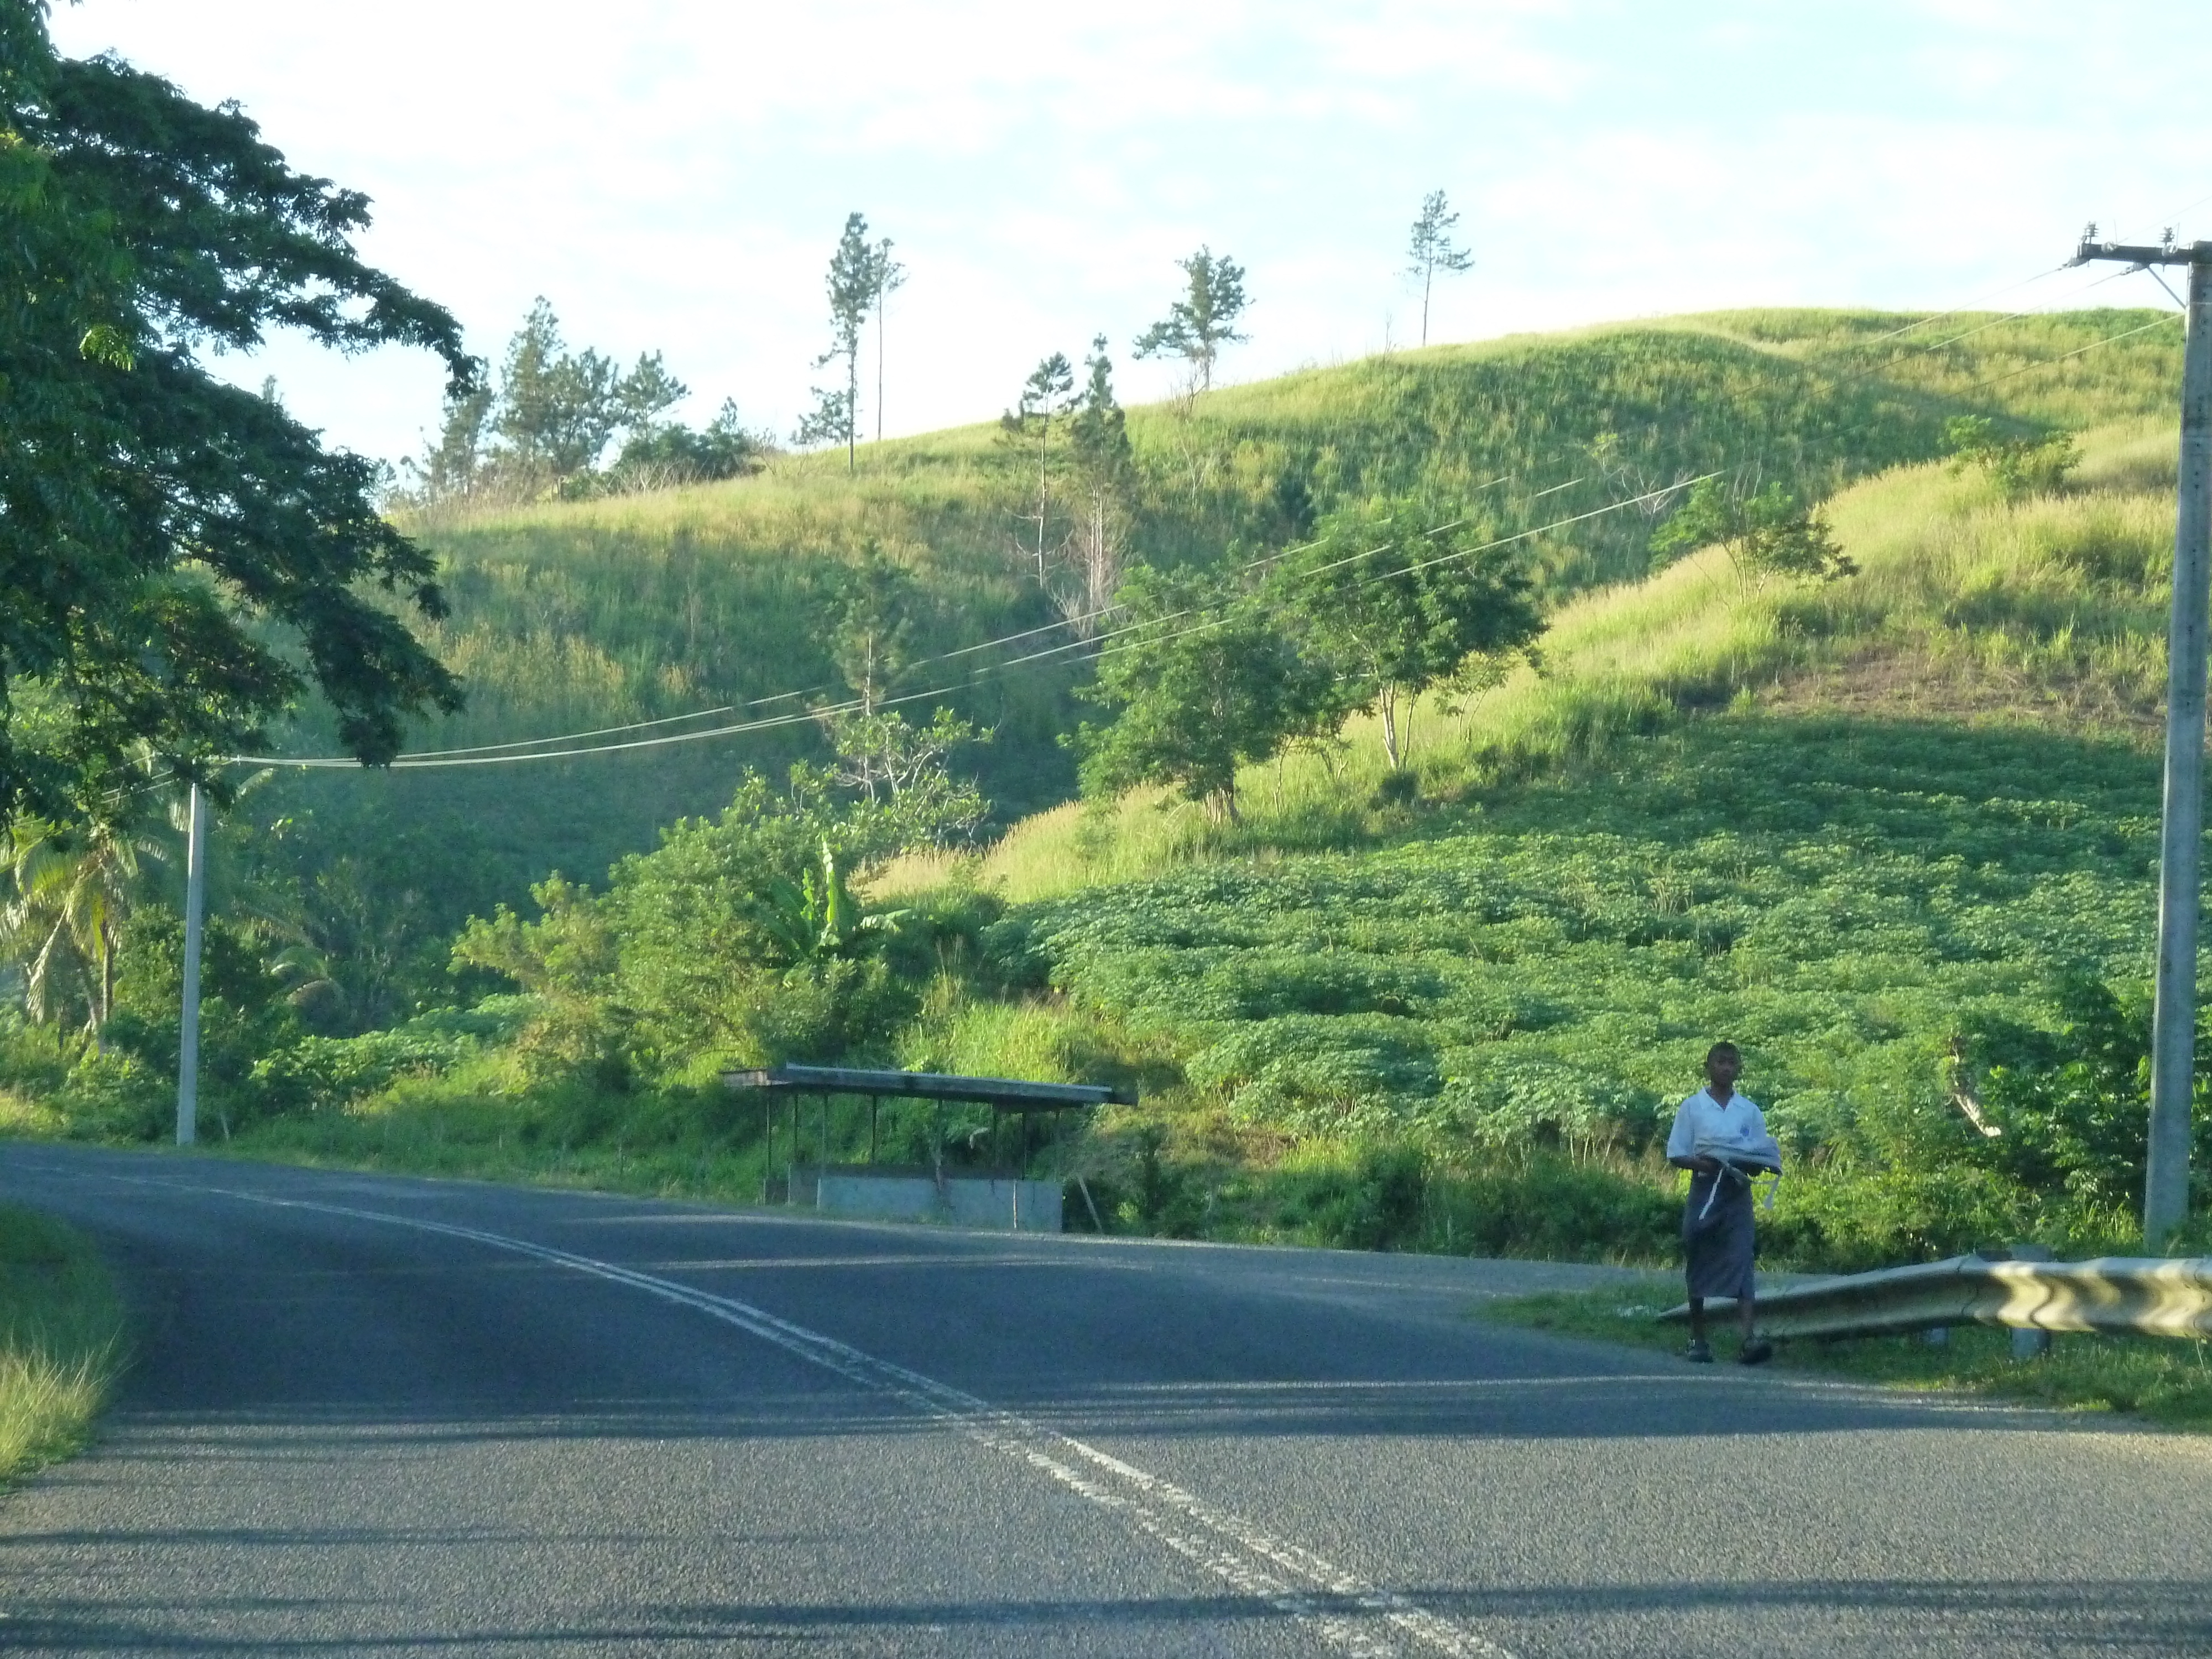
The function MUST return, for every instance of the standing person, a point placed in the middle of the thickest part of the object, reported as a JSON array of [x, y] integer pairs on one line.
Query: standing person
[[1721, 1137]]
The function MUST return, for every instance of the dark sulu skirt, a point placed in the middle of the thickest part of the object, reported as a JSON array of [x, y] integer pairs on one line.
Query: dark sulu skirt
[[1718, 1246]]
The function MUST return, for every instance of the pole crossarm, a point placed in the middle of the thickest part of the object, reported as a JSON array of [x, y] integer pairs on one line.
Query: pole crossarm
[[1001, 1093], [2130, 253], [2149, 1296]]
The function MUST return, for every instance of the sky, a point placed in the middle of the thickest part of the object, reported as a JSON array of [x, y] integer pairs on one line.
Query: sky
[[672, 174]]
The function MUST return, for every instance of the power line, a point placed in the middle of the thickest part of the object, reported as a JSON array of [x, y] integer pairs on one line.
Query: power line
[[610, 731], [426, 763], [1874, 372], [500, 752], [1960, 311], [2009, 317], [2052, 362]]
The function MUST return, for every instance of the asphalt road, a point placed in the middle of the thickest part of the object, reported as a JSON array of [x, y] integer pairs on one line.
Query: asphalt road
[[386, 1416]]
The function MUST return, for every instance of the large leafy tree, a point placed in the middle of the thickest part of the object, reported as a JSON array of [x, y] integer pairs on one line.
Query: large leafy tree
[[1389, 605], [180, 559], [1206, 680]]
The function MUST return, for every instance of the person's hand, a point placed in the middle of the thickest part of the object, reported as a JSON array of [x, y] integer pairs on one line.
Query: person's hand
[[1704, 1165]]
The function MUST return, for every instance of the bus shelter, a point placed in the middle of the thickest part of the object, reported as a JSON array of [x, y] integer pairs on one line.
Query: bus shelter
[[997, 1195]]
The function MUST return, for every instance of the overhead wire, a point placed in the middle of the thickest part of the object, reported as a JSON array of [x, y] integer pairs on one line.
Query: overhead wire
[[1971, 305], [2159, 321], [610, 731], [510, 751], [1874, 371], [425, 762]]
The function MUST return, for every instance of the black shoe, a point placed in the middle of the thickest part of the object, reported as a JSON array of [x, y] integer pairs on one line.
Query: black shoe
[[1698, 1353], [1756, 1354]]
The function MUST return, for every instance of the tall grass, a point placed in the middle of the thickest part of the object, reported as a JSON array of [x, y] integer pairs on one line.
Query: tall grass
[[61, 1340]]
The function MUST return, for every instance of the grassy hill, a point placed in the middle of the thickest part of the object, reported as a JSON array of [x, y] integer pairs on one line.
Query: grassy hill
[[1872, 830], [1894, 834], [578, 617]]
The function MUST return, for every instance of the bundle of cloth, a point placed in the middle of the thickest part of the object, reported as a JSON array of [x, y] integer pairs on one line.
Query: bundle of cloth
[[1743, 1158], [1717, 1221]]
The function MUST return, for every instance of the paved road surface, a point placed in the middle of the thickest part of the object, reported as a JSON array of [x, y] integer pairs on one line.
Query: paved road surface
[[383, 1416]]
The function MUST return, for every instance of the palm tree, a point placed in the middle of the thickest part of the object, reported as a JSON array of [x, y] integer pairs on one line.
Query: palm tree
[[66, 895]]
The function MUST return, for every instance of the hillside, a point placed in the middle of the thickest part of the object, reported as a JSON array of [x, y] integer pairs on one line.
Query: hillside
[[579, 616], [1894, 834], [1883, 833]]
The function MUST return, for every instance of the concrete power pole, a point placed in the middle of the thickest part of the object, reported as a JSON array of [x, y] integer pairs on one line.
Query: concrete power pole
[[2173, 1019], [188, 1035]]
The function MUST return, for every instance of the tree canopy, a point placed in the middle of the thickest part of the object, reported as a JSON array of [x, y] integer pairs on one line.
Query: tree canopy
[[180, 560], [1207, 681], [546, 427], [1204, 320], [1391, 597], [1769, 533]]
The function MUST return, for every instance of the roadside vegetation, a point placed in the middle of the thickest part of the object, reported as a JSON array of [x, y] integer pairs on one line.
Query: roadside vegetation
[[62, 1341]]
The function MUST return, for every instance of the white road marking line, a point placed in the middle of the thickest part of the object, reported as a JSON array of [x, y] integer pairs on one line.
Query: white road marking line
[[1285, 1575]]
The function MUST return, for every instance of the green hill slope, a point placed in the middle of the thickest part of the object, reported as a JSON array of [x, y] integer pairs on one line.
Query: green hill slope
[[579, 616], [1887, 834]]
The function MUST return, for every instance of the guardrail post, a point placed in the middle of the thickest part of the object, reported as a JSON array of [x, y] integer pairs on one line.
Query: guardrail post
[[2028, 1344]]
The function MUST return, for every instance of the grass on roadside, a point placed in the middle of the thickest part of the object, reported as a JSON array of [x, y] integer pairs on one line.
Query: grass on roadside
[[2161, 1379], [61, 1340]]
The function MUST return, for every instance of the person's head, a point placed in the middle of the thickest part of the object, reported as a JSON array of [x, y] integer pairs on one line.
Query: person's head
[[1723, 1063]]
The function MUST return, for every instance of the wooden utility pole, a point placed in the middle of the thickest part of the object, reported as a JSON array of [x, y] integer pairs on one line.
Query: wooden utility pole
[[2173, 1019]]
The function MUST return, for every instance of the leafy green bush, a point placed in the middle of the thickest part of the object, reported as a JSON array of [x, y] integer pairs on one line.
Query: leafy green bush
[[330, 1073]]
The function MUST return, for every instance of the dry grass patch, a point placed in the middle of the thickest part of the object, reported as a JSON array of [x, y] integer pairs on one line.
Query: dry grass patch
[[61, 1340]]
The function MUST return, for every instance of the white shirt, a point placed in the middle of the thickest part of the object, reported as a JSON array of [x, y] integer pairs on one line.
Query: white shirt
[[1735, 1122]]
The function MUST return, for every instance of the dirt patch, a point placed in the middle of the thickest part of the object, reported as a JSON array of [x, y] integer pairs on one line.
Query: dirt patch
[[1901, 683]]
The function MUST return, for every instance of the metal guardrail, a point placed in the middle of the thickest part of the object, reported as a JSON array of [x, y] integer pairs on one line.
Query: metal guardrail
[[2151, 1296]]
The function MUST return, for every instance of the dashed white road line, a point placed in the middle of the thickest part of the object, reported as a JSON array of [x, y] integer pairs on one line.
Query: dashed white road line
[[1343, 1609]]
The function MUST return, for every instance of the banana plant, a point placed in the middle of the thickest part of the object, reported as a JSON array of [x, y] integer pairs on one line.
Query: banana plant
[[815, 918]]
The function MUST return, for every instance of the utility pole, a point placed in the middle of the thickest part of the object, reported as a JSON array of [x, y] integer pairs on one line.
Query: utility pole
[[2173, 1019], [188, 1035]]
